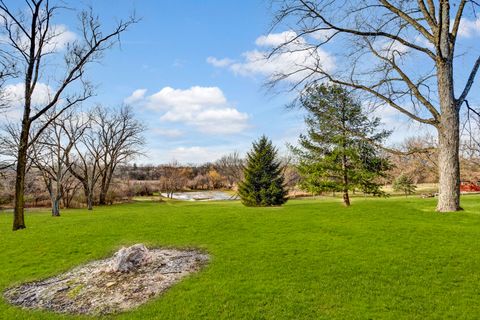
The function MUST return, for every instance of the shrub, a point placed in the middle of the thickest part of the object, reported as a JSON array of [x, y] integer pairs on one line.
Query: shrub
[[404, 184]]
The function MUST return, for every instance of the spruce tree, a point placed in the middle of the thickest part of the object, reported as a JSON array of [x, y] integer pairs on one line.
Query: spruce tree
[[263, 183], [339, 151]]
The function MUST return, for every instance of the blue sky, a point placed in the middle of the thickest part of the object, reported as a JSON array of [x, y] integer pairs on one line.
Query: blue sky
[[169, 48], [189, 71]]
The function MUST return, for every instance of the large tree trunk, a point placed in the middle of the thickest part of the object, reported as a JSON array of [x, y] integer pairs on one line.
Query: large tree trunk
[[449, 164], [18, 212], [449, 141]]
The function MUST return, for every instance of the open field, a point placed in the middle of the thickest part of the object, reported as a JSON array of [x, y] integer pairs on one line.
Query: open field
[[379, 259], [422, 188]]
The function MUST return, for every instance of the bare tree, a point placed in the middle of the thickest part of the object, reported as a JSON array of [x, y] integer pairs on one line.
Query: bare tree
[[84, 160], [470, 147], [70, 187], [49, 155], [121, 139], [290, 171], [32, 38], [172, 178], [421, 166], [8, 70], [9, 141], [398, 53], [231, 167]]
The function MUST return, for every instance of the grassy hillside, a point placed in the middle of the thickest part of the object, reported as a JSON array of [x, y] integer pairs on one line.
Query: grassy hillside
[[380, 259]]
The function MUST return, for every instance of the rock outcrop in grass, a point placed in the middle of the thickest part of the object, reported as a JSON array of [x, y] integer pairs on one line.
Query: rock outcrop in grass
[[128, 279]]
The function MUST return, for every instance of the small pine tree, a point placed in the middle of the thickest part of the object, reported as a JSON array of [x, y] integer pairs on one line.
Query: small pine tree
[[263, 183], [404, 184]]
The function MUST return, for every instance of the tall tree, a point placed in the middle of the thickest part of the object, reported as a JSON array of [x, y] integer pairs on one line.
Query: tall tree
[[84, 160], [400, 53], [340, 151], [49, 155], [263, 183], [33, 38], [120, 138]]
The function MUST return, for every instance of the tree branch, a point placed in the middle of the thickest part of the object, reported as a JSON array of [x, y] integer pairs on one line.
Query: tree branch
[[469, 83]]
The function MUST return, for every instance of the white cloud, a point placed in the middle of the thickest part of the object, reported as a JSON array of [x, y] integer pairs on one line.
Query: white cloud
[[422, 41], [219, 62], [323, 35], [402, 126], [294, 58], [194, 154], [469, 28], [205, 108], [221, 121], [136, 96], [189, 99], [15, 94], [59, 36], [390, 49], [276, 39], [170, 133], [186, 154]]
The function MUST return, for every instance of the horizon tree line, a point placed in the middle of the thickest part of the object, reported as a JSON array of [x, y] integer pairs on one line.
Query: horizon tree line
[[81, 150]]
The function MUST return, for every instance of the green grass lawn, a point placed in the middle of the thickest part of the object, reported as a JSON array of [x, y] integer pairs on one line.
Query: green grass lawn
[[380, 259]]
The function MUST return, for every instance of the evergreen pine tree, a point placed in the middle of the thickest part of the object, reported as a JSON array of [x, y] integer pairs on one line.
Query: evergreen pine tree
[[263, 183], [339, 152]]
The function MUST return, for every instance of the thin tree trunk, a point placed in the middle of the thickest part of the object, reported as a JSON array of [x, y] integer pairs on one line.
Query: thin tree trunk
[[55, 207], [58, 193], [346, 198], [18, 212], [88, 197], [105, 186], [102, 198], [103, 194], [90, 201]]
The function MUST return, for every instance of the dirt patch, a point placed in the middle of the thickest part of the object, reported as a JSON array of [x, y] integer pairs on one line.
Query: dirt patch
[[105, 286]]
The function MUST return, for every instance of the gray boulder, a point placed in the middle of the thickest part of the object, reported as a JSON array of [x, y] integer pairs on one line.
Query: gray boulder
[[129, 259]]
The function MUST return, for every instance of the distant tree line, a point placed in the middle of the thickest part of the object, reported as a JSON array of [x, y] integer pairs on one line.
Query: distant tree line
[[79, 152], [85, 158]]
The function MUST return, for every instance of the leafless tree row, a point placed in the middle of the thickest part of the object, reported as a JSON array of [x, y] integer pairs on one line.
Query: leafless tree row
[[81, 150], [35, 55]]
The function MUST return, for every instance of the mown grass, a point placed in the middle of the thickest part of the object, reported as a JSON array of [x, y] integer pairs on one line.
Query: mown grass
[[379, 259]]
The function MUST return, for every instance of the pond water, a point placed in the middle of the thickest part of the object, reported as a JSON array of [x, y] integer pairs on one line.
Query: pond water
[[203, 196]]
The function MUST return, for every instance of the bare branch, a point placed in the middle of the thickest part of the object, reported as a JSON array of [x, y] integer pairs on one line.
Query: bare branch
[[468, 85]]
